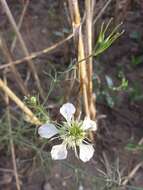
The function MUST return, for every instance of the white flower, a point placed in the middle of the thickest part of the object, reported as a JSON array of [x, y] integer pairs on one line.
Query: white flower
[[89, 124], [86, 152], [47, 130], [67, 111], [73, 134], [59, 152]]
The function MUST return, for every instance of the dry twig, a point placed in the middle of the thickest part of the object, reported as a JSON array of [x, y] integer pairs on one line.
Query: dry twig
[[32, 118], [16, 74], [89, 8], [141, 141], [102, 11], [20, 24], [78, 37], [36, 54], [135, 169], [23, 45], [132, 173], [11, 143]]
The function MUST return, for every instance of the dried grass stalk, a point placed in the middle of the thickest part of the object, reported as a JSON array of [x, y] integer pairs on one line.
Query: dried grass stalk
[[12, 147], [23, 45], [78, 37], [132, 173], [19, 24], [32, 118], [14, 70], [89, 7], [37, 54]]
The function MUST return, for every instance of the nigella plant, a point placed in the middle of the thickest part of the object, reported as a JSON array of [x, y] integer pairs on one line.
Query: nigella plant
[[73, 134]]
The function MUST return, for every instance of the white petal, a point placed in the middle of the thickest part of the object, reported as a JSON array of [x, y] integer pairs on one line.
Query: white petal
[[89, 124], [67, 110], [47, 130], [59, 152], [86, 152]]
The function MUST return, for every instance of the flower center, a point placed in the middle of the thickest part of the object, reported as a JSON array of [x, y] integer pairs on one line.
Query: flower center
[[76, 131], [73, 135]]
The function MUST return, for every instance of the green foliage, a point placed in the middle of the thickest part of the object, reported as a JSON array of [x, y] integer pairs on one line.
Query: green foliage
[[137, 60], [136, 92], [108, 91], [124, 83], [38, 109], [134, 147], [105, 41], [25, 139]]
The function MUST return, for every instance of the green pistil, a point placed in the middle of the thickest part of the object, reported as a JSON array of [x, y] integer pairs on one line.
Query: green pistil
[[76, 131], [72, 134]]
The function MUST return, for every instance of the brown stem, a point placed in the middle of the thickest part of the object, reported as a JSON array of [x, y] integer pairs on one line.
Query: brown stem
[[89, 5], [8, 56], [37, 54], [76, 23], [83, 74], [132, 173], [19, 24], [23, 45], [31, 117], [11, 142]]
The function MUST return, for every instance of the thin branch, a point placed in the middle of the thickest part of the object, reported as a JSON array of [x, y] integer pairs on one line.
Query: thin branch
[[78, 37], [13, 154], [6, 170], [11, 141], [102, 11], [141, 141], [31, 117], [16, 75], [23, 45], [132, 173], [36, 54], [20, 24]]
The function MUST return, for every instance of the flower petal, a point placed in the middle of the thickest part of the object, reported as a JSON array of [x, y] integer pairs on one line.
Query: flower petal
[[47, 130], [89, 124], [67, 110], [86, 152], [59, 152]]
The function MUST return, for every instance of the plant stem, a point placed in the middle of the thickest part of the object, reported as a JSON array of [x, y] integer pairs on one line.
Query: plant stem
[[89, 5], [8, 56], [78, 37], [11, 141], [32, 118], [23, 45]]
